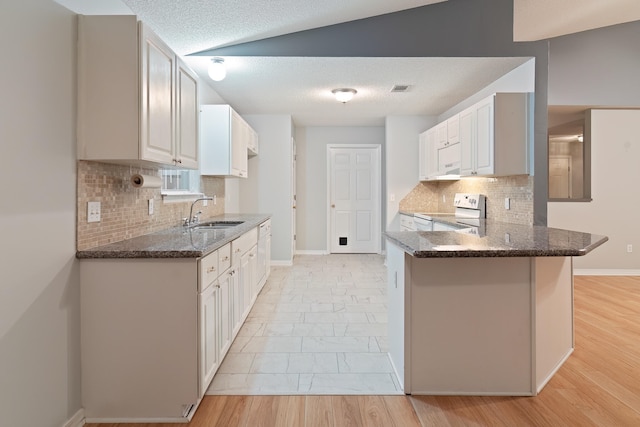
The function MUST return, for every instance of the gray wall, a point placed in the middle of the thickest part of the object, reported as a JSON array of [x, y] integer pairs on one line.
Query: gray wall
[[598, 67], [401, 152], [457, 28], [601, 68], [312, 177], [268, 187], [39, 289]]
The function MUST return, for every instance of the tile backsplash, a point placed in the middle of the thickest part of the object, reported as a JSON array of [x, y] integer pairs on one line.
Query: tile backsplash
[[437, 196], [124, 208]]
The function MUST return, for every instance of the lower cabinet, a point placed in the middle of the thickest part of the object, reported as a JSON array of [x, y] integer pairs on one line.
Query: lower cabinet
[[155, 331]]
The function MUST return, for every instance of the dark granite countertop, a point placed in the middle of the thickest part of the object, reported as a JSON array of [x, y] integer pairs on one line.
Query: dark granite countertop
[[496, 239], [177, 242]]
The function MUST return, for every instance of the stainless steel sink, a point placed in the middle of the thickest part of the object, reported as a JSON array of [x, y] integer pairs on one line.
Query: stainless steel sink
[[216, 225]]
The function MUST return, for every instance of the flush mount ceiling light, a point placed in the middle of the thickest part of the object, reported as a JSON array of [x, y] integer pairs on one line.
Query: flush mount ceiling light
[[344, 94], [217, 70]]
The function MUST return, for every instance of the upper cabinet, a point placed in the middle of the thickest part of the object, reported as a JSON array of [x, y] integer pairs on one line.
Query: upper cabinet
[[226, 141], [490, 138], [494, 136], [137, 101], [439, 153]]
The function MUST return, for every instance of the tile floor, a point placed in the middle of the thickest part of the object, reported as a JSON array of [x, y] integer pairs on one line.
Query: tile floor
[[318, 327]]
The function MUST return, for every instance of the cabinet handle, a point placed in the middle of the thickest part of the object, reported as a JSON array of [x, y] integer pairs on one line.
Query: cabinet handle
[[179, 161], [238, 250], [211, 269], [226, 258], [218, 286]]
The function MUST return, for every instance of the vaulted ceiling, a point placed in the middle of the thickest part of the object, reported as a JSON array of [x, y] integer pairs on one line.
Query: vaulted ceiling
[[301, 85]]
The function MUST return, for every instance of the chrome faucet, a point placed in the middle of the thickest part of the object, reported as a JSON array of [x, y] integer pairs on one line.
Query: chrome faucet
[[191, 220]]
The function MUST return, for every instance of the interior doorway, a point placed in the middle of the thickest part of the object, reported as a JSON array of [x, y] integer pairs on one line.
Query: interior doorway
[[560, 177], [353, 198]]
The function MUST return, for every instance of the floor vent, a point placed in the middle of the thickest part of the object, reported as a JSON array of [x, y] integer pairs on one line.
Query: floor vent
[[400, 88]]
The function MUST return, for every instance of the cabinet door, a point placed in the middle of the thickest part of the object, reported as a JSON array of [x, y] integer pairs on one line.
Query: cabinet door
[[254, 275], [209, 355], [239, 159], [187, 117], [432, 154], [246, 286], [441, 134], [484, 137], [157, 65], [453, 129], [466, 135], [237, 299], [225, 312]]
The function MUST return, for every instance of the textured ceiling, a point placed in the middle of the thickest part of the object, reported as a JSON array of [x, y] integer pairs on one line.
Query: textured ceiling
[[195, 25], [301, 86]]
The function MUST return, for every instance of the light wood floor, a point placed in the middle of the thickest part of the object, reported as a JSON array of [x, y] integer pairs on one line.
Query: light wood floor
[[599, 385]]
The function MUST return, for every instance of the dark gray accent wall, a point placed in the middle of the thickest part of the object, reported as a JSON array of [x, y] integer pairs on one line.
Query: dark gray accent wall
[[456, 28]]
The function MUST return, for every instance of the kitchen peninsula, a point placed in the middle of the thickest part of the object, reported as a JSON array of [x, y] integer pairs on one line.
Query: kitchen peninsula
[[482, 314], [160, 311]]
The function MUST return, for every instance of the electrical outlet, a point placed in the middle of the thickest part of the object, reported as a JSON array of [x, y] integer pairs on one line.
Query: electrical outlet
[[150, 206], [629, 248], [507, 203], [93, 211], [444, 199], [205, 203], [392, 197], [215, 199]]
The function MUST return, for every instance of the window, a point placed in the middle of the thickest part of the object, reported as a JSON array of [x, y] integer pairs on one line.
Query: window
[[569, 155], [180, 183]]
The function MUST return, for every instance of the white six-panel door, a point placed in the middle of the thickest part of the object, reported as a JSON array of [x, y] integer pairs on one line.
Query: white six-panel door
[[354, 199]]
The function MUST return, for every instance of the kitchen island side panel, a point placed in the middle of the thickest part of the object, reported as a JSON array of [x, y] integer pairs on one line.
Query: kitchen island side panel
[[554, 315], [471, 326], [138, 338]]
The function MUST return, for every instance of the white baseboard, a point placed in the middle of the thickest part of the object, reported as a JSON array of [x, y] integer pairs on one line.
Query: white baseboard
[[281, 263], [604, 272], [77, 420], [305, 252]]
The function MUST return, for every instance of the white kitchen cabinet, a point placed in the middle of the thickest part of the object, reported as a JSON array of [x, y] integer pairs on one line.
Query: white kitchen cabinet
[[155, 331], [225, 319], [225, 137], [254, 277], [137, 102], [494, 136], [264, 236], [407, 223], [209, 330], [428, 160]]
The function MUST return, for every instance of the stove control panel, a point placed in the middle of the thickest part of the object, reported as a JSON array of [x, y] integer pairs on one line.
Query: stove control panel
[[470, 205]]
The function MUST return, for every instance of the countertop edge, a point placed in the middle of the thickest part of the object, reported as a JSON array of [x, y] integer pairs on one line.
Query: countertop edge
[[108, 251]]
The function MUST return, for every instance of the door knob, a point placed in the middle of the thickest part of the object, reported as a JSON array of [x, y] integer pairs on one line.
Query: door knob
[[333, 206]]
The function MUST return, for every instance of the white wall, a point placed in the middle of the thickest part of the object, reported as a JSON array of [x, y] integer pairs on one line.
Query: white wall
[[401, 148], [615, 148], [268, 188], [312, 177], [39, 289]]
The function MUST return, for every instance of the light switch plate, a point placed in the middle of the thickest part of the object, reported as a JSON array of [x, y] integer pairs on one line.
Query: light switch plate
[[507, 203], [150, 206], [93, 211]]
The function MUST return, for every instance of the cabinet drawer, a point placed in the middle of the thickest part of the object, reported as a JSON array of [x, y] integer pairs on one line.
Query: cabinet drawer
[[243, 243], [208, 270], [406, 221], [224, 256]]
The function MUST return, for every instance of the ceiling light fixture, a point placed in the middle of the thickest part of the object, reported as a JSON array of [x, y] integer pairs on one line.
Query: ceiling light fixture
[[217, 70], [344, 94]]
